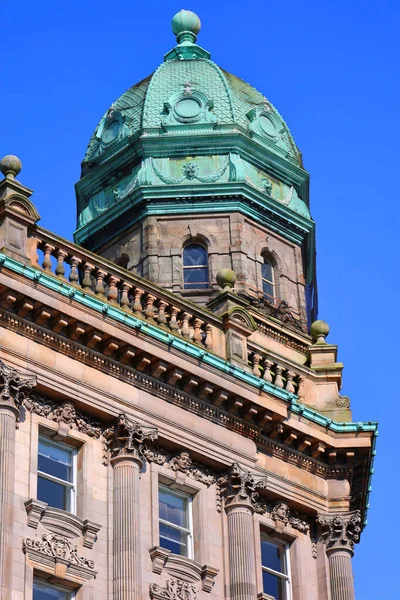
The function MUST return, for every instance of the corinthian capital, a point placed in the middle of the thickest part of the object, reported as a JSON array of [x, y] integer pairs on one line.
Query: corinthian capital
[[14, 386], [126, 437], [239, 486], [340, 531]]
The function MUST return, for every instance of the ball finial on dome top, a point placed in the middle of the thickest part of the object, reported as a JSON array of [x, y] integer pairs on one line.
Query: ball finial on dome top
[[10, 166], [186, 25]]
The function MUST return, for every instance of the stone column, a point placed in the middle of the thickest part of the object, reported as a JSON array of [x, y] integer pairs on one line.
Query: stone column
[[239, 489], [124, 442], [340, 532], [13, 385]]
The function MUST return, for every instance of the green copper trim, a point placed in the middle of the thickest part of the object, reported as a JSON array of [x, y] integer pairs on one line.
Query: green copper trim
[[67, 290]]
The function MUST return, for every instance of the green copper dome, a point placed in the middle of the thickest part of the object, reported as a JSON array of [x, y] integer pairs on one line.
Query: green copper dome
[[189, 90]]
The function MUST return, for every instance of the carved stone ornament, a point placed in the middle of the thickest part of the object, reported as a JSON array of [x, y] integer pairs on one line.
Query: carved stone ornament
[[183, 568], [127, 437], [282, 514], [174, 590], [340, 531], [14, 386], [239, 486], [56, 555], [181, 462], [63, 413]]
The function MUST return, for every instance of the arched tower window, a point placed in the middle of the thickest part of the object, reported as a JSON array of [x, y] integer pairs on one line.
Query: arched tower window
[[268, 279], [195, 267]]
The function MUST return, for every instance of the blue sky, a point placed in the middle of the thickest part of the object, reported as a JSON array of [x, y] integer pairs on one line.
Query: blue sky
[[332, 70]]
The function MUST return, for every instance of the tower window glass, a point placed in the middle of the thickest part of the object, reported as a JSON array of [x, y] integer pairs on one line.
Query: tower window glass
[[268, 280], [56, 474], [195, 267], [175, 517], [275, 569]]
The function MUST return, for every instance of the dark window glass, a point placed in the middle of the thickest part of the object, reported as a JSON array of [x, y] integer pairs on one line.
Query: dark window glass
[[271, 556], [174, 540], [55, 474], [195, 267], [174, 522], [267, 276], [273, 585], [173, 508], [43, 591]]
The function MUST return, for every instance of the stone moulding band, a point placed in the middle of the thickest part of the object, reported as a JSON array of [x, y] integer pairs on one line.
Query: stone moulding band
[[102, 307]]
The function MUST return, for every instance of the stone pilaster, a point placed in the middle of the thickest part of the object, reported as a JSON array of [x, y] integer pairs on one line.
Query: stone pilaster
[[13, 386], [340, 532], [124, 442], [239, 490]]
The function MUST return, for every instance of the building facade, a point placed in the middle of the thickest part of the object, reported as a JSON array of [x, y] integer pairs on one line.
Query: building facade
[[171, 424]]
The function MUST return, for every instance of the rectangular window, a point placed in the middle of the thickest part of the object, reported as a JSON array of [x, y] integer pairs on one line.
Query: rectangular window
[[56, 474], [44, 591], [175, 517], [275, 569]]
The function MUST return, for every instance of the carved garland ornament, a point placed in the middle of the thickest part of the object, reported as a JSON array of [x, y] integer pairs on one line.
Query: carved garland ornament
[[181, 462], [174, 589], [57, 547]]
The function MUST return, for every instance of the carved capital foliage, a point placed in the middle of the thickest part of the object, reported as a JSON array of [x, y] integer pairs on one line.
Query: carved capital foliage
[[14, 386], [63, 413], [180, 462], [126, 437], [174, 589], [239, 486], [340, 531]]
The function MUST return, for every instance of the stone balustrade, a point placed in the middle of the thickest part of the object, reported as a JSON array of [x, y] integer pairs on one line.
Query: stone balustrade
[[113, 284], [266, 367]]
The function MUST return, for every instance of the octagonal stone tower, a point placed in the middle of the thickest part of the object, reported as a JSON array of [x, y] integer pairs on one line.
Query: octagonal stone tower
[[192, 171]]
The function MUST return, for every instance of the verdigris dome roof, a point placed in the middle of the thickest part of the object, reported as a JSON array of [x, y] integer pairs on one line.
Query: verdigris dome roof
[[190, 89]]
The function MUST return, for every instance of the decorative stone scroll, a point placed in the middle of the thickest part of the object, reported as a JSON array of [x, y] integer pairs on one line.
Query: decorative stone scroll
[[63, 413], [183, 568], [174, 589], [14, 386], [340, 531], [57, 555], [181, 462], [127, 437]]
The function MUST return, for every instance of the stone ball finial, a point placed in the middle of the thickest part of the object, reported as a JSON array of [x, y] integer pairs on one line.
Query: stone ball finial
[[186, 25], [10, 166], [226, 279], [319, 331]]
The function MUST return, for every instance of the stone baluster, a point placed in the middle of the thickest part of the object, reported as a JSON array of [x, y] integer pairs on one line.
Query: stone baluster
[[173, 322], [137, 304], [74, 275], [87, 280], [185, 329], [99, 289], [112, 295], [238, 488], [125, 304], [255, 364], [47, 251], [197, 332], [289, 381], [267, 370], [162, 317], [340, 532], [278, 376], [208, 342], [300, 388], [13, 387], [61, 255], [149, 311], [124, 442]]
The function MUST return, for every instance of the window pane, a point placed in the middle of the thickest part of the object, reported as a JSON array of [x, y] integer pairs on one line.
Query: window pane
[[55, 494], [47, 592], [273, 585], [55, 460], [195, 255], [266, 270], [173, 508], [268, 289], [174, 540], [195, 279], [271, 556]]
